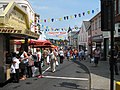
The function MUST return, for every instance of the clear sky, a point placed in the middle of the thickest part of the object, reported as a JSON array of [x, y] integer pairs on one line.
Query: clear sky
[[56, 9]]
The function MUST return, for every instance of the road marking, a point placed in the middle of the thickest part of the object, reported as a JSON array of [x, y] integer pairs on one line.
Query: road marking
[[69, 78], [46, 70]]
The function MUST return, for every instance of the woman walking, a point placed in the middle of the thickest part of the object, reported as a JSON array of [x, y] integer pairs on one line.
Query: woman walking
[[52, 60]]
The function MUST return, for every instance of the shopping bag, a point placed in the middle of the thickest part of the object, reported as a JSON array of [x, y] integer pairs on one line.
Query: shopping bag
[[92, 59]]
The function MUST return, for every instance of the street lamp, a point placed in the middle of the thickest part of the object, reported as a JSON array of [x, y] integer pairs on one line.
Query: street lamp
[[107, 24]]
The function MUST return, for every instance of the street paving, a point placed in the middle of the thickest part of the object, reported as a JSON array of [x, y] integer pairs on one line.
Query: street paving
[[68, 76]]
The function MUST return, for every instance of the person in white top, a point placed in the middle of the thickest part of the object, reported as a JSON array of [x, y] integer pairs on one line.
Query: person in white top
[[61, 54], [52, 60], [39, 62], [16, 63]]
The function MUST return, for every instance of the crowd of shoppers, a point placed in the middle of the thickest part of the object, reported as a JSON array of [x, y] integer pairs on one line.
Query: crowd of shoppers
[[24, 64]]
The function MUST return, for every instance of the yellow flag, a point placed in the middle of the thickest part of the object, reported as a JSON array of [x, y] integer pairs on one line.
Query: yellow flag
[[41, 20], [60, 19], [48, 19], [88, 12], [71, 16]]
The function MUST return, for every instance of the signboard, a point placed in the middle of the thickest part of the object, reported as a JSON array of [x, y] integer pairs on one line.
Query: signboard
[[106, 14]]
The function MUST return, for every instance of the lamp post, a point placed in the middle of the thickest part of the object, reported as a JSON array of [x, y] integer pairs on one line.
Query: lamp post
[[112, 46], [108, 24]]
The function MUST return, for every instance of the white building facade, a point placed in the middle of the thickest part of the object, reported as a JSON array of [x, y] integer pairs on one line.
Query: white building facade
[[83, 35], [25, 4]]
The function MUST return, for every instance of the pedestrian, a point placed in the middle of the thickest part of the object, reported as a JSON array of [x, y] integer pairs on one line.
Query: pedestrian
[[39, 61], [79, 55], [115, 57], [15, 64], [23, 64], [30, 65], [61, 54], [68, 55], [82, 54], [56, 55], [96, 56], [52, 60]]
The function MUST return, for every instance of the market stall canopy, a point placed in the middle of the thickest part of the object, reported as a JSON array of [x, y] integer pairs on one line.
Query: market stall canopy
[[33, 42], [41, 43], [14, 21]]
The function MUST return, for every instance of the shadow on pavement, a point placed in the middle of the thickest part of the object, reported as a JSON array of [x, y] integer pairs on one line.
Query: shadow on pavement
[[70, 85]]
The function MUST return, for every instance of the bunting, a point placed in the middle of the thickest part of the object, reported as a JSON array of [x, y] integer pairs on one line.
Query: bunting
[[70, 17], [67, 29]]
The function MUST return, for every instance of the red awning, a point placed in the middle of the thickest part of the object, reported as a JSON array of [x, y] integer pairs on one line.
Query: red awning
[[34, 42], [40, 42]]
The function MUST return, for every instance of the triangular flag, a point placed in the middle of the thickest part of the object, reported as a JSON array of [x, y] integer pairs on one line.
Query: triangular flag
[[64, 18], [88, 12], [83, 13], [71, 16], [92, 11], [41, 20], [75, 15], [42, 25], [79, 15], [45, 20], [60, 19], [45, 27], [48, 19], [67, 17], [52, 19]]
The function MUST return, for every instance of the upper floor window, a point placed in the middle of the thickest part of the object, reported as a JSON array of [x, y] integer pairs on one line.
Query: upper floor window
[[24, 7], [118, 6], [4, 6], [96, 24]]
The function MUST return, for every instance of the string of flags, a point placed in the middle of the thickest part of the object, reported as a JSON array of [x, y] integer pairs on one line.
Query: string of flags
[[48, 28], [69, 17]]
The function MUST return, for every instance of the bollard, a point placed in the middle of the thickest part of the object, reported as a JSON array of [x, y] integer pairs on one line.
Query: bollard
[[117, 85]]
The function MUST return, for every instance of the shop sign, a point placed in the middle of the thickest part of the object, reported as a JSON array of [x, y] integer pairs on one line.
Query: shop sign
[[10, 30]]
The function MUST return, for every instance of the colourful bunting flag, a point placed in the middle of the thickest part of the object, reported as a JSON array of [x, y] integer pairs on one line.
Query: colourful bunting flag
[[75, 15], [92, 11], [48, 19], [64, 18], [67, 17], [79, 15], [88, 12], [52, 19], [45, 20], [41, 20], [60, 19], [83, 13], [71, 17]]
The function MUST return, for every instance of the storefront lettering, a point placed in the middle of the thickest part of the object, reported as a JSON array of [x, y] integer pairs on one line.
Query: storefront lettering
[[5, 30]]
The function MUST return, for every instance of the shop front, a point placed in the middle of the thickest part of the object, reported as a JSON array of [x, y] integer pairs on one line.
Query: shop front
[[14, 24]]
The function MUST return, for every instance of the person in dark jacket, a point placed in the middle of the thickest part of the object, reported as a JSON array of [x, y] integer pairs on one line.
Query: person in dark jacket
[[115, 56]]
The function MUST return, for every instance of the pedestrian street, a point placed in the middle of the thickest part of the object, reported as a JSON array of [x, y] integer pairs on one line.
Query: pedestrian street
[[68, 76]]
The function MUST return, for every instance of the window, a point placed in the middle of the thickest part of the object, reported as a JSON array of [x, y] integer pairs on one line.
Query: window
[[24, 7], [99, 22], [118, 6], [4, 6], [96, 24]]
